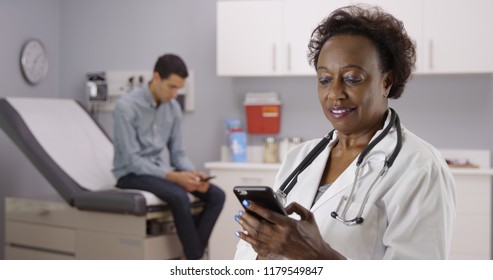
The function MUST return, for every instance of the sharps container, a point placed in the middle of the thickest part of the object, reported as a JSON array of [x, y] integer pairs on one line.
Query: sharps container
[[263, 112]]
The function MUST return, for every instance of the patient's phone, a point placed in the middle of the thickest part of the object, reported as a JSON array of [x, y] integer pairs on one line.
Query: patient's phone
[[207, 179], [262, 195]]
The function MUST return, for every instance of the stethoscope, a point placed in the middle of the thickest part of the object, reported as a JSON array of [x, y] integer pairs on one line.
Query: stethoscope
[[345, 202]]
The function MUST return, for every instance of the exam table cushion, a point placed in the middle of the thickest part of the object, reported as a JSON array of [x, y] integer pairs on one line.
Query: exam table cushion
[[72, 152]]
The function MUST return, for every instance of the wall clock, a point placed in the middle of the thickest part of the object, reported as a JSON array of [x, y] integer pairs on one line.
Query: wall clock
[[34, 61]]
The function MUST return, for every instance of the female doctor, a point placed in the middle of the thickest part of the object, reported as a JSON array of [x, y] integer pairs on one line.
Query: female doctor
[[372, 189]]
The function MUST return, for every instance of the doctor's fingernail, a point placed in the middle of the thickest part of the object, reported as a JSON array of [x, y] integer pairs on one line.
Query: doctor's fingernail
[[240, 213], [245, 203], [238, 234], [237, 218]]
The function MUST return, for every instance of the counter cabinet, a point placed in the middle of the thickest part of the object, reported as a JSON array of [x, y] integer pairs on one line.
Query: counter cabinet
[[472, 237], [222, 244]]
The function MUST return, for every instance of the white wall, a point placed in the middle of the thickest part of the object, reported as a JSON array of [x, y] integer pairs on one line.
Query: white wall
[[19, 21], [130, 35]]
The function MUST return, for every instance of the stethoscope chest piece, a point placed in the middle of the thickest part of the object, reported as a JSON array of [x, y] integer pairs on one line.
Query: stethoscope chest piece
[[352, 222]]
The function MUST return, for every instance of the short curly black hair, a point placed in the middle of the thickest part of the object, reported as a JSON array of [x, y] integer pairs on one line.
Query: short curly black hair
[[396, 50]]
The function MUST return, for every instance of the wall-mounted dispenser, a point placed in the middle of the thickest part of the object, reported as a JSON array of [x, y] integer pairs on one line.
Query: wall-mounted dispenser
[[96, 87]]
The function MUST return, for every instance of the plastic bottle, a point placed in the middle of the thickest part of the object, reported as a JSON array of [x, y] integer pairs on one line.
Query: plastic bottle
[[271, 154], [238, 145], [237, 140]]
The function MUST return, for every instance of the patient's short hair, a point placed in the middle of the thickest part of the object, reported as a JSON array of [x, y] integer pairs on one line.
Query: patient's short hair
[[170, 64]]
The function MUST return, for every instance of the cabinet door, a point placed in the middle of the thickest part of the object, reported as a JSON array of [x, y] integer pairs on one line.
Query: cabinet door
[[222, 244], [458, 35], [300, 19], [248, 38], [410, 12], [471, 239]]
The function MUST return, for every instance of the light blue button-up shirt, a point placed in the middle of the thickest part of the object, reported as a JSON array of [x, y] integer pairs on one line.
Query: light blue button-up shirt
[[142, 130]]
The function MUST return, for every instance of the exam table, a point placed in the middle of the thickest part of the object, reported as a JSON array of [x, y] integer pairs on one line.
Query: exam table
[[97, 220]]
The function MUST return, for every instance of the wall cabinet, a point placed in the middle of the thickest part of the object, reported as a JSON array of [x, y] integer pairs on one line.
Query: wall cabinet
[[410, 12], [450, 36], [300, 18], [270, 38], [458, 36], [248, 38]]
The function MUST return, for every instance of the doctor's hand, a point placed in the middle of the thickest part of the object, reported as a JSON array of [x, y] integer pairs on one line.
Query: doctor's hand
[[284, 237]]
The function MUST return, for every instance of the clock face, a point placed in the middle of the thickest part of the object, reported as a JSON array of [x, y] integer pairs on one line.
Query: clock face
[[34, 62]]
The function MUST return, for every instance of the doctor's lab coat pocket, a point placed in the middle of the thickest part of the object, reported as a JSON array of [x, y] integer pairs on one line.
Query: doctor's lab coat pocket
[[355, 241]]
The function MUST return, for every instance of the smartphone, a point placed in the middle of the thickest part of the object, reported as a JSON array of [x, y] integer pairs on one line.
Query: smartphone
[[262, 195], [207, 179]]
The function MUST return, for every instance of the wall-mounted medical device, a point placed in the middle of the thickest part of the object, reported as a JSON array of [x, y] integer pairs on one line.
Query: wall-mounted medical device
[[96, 86], [103, 88]]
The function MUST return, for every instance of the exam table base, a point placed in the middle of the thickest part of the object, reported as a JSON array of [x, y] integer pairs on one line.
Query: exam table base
[[38, 229]]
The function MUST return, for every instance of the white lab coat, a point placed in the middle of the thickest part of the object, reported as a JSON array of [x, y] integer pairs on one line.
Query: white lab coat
[[410, 213]]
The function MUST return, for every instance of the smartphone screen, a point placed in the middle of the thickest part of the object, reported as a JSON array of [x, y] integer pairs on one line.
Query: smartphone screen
[[262, 195]]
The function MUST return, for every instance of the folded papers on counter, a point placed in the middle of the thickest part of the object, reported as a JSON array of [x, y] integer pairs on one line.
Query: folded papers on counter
[[460, 163]]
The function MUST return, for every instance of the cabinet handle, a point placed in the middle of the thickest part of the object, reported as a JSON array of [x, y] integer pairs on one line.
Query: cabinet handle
[[274, 57], [289, 57], [44, 212], [430, 57]]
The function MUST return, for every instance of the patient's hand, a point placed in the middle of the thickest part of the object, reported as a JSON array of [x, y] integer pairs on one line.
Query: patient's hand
[[204, 185], [186, 179]]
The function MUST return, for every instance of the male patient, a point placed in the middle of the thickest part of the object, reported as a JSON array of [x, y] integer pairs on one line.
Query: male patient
[[148, 120]]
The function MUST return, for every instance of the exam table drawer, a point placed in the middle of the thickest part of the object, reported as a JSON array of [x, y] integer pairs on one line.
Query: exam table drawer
[[49, 213], [15, 253], [92, 245], [47, 238]]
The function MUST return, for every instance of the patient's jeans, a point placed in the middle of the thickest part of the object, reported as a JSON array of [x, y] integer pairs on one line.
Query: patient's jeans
[[193, 233]]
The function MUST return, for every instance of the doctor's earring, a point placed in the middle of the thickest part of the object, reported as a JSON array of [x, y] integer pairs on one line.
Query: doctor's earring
[[386, 94]]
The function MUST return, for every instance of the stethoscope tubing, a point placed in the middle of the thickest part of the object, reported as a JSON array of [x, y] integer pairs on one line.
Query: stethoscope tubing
[[291, 180]]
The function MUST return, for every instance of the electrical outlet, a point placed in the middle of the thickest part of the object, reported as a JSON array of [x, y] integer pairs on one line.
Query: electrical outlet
[[120, 82]]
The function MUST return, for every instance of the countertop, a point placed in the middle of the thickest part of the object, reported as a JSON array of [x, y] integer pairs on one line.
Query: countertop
[[472, 171], [242, 165]]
